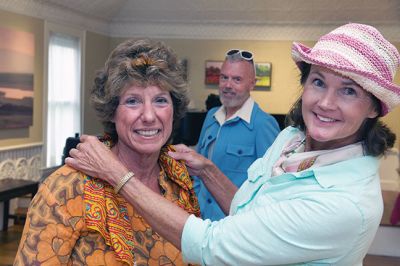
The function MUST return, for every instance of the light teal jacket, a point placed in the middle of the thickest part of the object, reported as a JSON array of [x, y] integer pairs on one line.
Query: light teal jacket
[[323, 216]]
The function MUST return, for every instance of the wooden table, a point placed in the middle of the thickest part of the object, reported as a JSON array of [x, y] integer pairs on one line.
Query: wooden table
[[13, 188]]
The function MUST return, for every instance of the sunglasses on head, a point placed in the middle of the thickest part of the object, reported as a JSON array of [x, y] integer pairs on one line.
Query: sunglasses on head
[[246, 55]]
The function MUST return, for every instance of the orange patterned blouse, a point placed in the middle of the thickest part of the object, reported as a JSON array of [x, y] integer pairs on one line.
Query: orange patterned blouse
[[78, 220]]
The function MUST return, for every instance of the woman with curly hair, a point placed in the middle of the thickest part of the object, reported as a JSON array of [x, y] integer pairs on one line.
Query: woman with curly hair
[[77, 219]]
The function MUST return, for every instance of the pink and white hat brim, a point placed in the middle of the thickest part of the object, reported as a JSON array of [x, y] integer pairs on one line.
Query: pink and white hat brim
[[387, 92]]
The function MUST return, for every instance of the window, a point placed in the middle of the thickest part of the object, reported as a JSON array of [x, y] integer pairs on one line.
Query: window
[[63, 101]]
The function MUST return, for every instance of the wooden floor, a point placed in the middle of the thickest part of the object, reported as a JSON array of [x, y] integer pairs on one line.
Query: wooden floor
[[9, 244]]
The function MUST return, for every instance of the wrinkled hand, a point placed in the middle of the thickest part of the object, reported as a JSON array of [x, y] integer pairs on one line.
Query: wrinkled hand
[[95, 159], [195, 163]]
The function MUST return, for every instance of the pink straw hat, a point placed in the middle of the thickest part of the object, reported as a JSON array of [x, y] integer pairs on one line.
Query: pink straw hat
[[360, 53]]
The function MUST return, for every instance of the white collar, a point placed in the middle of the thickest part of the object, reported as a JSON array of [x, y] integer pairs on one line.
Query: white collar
[[244, 112]]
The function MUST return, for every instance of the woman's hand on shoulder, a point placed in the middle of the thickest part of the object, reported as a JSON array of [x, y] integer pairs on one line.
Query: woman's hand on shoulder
[[95, 159], [196, 163]]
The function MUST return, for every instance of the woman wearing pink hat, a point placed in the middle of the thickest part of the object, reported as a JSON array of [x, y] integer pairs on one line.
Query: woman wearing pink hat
[[314, 198]]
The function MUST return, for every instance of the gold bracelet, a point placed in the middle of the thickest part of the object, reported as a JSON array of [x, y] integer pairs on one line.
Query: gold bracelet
[[123, 181]]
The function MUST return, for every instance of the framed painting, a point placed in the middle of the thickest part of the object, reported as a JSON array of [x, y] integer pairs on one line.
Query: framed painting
[[16, 78], [212, 72], [263, 76]]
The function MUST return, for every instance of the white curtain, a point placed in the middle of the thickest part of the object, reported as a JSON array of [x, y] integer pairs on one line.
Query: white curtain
[[63, 105]]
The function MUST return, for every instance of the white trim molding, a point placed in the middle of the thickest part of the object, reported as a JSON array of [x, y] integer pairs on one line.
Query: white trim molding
[[185, 28], [21, 162]]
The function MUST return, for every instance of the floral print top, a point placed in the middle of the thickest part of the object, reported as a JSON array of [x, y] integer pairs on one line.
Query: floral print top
[[56, 233]]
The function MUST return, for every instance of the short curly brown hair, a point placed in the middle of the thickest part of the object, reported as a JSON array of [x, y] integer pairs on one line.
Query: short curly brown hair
[[141, 63]]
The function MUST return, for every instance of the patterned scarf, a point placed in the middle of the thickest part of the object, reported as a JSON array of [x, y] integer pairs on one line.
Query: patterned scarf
[[294, 159], [107, 212]]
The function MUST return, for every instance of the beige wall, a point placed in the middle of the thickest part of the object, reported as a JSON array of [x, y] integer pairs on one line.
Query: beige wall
[[34, 133], [284, 89], [393, 118], [97, 50]]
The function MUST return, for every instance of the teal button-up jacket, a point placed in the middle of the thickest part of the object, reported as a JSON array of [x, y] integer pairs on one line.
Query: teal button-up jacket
[[323, 216]]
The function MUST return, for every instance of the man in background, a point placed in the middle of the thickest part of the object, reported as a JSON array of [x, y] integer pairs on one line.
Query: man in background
[[235, 134]]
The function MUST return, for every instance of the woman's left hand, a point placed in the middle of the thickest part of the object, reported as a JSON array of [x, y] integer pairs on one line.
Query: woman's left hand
[[95, 159]]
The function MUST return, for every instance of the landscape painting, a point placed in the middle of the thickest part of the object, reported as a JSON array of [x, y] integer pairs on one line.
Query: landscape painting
[[263, 77], [16, 78], [213, 70]]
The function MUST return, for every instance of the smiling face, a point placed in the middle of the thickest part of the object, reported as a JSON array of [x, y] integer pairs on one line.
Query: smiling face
[[143, 120], [237, 79], [333, 109]]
